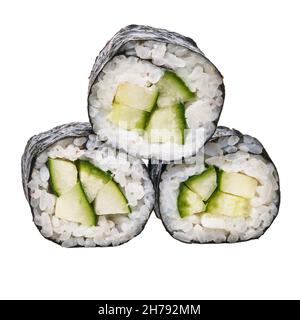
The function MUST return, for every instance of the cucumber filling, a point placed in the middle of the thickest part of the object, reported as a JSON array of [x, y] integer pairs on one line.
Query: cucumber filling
[[217, 192], [84, 191], [172, 90], [158, 110]]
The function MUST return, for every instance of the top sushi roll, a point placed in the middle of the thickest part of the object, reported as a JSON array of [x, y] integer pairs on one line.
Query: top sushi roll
[[153, 94]]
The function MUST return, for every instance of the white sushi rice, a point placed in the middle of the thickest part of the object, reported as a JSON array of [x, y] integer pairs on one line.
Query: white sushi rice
[[110, 230], [199, 75], [207, 227]]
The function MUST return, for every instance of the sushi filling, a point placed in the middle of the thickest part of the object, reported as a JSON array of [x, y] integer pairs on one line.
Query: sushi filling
[[216, 192], [86, 194], [155, 95], [231, 197]]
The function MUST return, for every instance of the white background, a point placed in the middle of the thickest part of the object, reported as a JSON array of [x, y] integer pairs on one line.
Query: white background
[[47, 50]]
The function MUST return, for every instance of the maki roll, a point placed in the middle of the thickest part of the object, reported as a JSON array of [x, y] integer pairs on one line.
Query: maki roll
[[228, 193], [82, 192], [153, 94]]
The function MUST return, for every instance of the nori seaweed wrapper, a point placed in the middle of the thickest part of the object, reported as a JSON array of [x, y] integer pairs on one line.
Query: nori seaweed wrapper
[[156, 169]]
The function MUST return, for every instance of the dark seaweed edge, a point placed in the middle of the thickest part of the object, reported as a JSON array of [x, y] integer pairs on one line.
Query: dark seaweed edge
[[143, 32], [39, 143], [156, 171]]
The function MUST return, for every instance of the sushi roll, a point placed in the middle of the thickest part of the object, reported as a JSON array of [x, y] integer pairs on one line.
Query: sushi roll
[[228, 193], [153, 94], [82, 193]]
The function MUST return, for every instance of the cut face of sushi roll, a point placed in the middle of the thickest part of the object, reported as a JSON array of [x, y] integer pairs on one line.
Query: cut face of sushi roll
[[153, 94], [82, 192], [229, 193]]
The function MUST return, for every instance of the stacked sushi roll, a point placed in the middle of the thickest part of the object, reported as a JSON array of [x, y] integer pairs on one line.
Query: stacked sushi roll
[[153, 95], [227, 193], [81, 191]]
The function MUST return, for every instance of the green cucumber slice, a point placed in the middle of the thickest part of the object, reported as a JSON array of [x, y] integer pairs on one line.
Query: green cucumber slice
[[238, 184], [74, 206], [128, 118], [188, 202], [136, 97], [91, 178], [166, 125], [228, 205], [172, 90], [204, 184], [63, 175], [111, 200]]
